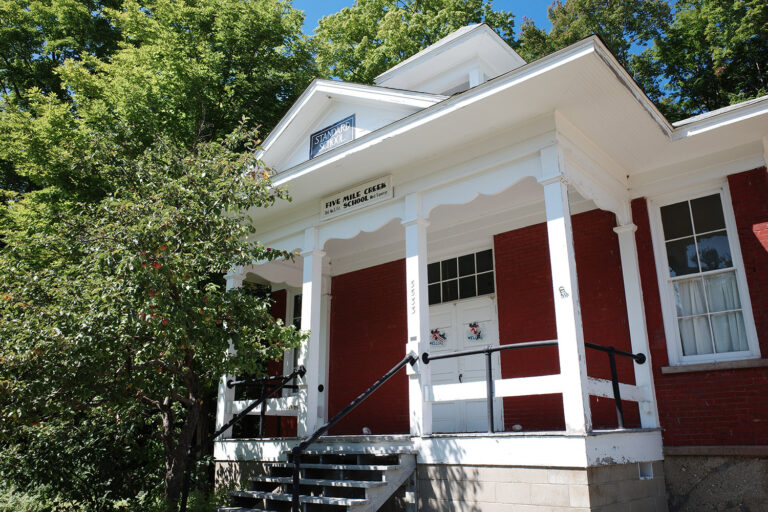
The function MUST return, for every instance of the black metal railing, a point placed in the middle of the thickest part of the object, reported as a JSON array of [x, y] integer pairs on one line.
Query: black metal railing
[[296, 452], [263, 383], [266, 393], [612, 353], [490, 349]]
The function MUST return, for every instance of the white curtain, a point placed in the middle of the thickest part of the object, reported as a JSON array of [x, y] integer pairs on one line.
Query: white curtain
[[694, 330], [724, 314], [723, 295]]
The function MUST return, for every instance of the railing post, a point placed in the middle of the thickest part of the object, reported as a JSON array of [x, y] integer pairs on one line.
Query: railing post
[[417, 308], [616, 390], [226, 395], [263, 411], [565, 289], [295, 506], [489, 387], [311, 320]]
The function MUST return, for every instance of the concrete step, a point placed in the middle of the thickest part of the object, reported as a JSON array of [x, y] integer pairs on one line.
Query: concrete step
[[320, 482], [316, 500], [242, 509], [346, 467], [360, 450]]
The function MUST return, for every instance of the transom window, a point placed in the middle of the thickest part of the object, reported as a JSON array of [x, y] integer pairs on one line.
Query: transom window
[[703, 278], [463, 277]]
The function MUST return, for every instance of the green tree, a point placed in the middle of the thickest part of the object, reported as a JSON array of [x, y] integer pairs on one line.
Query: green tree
[[360, 42], [37, 37], [184, 70], [120, 306], [626, 26], [714, 54]]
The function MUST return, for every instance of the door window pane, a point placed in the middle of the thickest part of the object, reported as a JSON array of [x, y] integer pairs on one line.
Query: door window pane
[[450, 290], [485, 261], [434, 294], [467, 287], [433, 273], [467, 265], [463, 277], [485, 283], [448, 268]]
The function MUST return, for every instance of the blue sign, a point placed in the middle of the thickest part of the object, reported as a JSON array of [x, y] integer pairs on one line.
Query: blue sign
[[332, 136]]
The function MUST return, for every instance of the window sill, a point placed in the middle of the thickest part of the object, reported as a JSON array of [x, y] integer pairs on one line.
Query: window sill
[[723, 365]]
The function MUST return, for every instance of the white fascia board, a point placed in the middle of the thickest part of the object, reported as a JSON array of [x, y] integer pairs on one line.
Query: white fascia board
[[454, 103], [720, 118], [347, 90]]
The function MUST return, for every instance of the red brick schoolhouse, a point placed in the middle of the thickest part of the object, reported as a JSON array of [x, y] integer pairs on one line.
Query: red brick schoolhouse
[[517, 242]]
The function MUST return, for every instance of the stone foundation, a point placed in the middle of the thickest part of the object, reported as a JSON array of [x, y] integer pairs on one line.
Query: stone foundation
[[615, 488], [716, 483]]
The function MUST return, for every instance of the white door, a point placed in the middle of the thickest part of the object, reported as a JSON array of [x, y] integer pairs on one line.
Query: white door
[[463, 325]]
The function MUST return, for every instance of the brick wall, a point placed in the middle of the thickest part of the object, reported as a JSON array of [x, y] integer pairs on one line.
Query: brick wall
[[724, 407], [367, 337], [526, 313]]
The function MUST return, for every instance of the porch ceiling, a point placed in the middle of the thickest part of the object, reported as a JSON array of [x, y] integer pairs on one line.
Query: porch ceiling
[[453, 229]]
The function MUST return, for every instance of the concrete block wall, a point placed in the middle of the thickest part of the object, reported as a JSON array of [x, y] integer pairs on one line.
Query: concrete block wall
[[524, 489]]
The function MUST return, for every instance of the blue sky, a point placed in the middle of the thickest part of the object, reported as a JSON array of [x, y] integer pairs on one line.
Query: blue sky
[[534, 9]]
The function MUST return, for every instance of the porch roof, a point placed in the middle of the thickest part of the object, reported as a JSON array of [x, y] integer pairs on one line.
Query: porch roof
[[583, 83]]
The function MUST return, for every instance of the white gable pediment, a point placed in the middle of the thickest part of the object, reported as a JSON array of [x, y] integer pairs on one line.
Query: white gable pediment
[[324, 104]]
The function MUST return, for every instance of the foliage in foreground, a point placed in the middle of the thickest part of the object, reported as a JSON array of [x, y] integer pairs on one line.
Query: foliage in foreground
[[118, 305]]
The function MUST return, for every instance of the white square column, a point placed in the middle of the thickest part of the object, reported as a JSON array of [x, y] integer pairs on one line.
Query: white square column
[[310, 353], [565, 288], [417, 307], [633, 293], [226, 395]]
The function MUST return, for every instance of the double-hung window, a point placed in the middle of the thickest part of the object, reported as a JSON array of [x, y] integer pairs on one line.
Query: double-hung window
[[707, 305]]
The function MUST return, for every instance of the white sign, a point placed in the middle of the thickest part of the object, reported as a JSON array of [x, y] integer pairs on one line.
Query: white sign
[[358, 197]]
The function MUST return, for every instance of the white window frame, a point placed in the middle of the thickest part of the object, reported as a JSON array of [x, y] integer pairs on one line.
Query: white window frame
[[669, 312]]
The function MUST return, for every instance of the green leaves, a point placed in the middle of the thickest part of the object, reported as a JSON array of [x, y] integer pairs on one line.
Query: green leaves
[[713, 55], [360, 42], [120, 302]]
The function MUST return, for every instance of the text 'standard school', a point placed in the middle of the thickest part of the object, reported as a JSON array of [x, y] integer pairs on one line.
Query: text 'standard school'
[[332, 136]]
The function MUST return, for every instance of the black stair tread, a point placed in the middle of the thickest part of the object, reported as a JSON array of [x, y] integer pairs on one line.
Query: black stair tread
[[350, 467], [362, 450], [324, 482], [319, 500], [241, 509]]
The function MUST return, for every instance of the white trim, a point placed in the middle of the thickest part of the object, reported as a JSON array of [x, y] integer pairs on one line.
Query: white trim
[[720, 117], [604, 388], [533, 450], [361, 91], [671, 331], [285, 406], [521, 386]]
